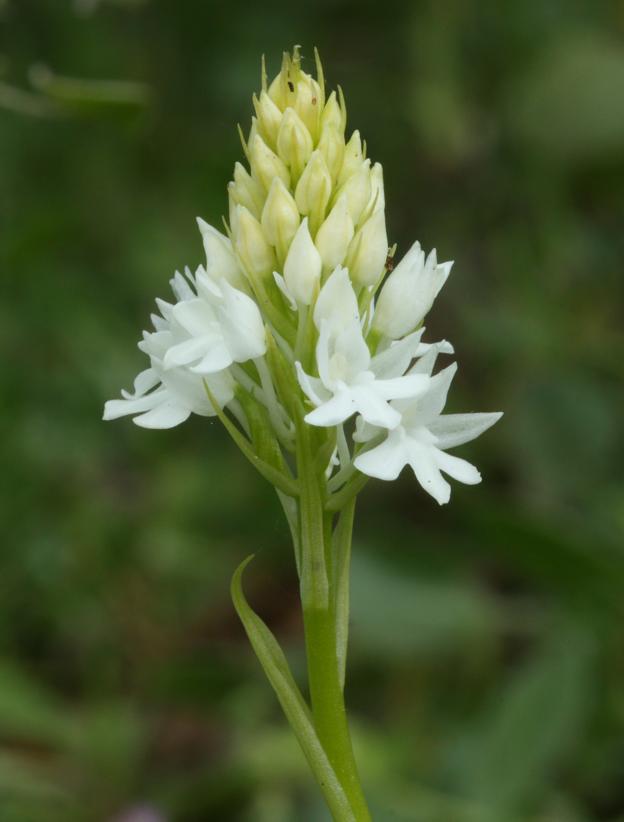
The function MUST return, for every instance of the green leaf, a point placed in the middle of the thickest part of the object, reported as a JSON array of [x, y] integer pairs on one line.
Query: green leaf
[[342, 554], [276, 668]]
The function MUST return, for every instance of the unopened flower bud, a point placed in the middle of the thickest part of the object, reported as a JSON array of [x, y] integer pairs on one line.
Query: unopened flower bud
[[308, 102], [265, 164], [280, 217], [334, 236], [302, 269], [314, 189], [246, 191], [353, 158], [368, 251], [377, 200], [253, 249], [269, 117], [332, 115], [294, 143], [409, 292], [357, 191], [220, 258], [332, 146]]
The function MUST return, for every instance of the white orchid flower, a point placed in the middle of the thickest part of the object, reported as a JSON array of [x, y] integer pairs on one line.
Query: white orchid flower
[[351, 381], [423, 436], [164, 398], [409, 292], [215, 327]]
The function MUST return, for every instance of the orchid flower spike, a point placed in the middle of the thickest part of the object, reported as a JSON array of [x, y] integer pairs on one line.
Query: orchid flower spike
[[293, 318]]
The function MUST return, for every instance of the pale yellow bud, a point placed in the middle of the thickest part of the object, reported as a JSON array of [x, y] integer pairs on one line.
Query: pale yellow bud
[[334, 236], [353, 158], [269, 117], [378, 198], [246, 191], [357, 191], [332, 114], [314, 189], [220, 258], [332, 146], [308, 103], [251, 245], [265, 164], [280, 218], [302, 269], [368, 251], [294, 142]]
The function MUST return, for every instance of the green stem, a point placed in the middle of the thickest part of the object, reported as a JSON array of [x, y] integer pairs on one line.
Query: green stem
[[318, 600]]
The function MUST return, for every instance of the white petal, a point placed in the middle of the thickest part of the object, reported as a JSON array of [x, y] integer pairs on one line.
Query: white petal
[[337, 303], [322, 355], [456, 429], [302, 269], [220, 259], [217, 358], [387, 460], [430, 405], [408, 387], [113, 409], [242, 325], [350, 345], [187, 352], [337, 409], [394, 360], [281, 284], [461, 470], [195, 316], [312, 387], [165, 415], [373, 408], [423, 463], [181, 287], [145, 381]]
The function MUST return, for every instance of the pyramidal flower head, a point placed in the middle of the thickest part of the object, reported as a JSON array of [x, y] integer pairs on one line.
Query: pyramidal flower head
[[294, 317]]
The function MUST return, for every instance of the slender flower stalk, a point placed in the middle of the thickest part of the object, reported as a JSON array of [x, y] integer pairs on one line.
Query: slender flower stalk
[[314, 361]]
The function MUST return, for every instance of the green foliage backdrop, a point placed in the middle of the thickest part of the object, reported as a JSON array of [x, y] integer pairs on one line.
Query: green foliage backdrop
[[487, 666]]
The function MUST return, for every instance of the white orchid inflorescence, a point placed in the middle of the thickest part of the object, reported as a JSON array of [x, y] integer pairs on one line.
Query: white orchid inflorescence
[[293, 307], [305, 340]]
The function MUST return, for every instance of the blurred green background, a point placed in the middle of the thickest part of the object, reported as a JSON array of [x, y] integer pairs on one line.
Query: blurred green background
[[487, 657]]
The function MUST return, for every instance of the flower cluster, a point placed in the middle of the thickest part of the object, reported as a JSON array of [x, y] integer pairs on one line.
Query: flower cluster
[[299, 315]]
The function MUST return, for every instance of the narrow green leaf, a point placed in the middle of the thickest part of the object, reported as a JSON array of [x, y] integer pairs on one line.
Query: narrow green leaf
[[342, 554], [276, 668], [281, 481]]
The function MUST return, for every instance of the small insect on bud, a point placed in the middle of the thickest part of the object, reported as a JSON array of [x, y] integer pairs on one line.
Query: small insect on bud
[[265, 164], [269, 118], [409, 292], [313, 190], [294, 143], [357, 191], [302, 270], [368, 251], [280, 218], [334, 236], [251, 245], [220, 258]]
